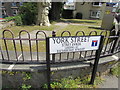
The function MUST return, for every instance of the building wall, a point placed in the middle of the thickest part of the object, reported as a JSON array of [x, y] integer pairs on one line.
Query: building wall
[[87, 8], [10, 8], [84, 9]]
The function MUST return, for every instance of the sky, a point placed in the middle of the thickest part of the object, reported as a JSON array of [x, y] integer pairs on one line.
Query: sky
[[70, 0]]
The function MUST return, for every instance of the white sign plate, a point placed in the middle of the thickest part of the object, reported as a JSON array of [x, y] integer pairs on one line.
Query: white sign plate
[[73, 43]]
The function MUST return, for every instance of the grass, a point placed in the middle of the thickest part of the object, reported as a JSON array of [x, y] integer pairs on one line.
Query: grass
[[116, 70], [83, 21], [17, 29], [72, 28], [78, 82], [10, 46]]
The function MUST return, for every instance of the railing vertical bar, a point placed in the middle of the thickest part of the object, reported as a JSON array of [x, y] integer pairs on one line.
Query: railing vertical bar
[[37, 42], [21, 49], [15, 50], [53, 55], [6, 43], [91, 53], [80, 54], [117, 45], [1, 53], [111, 45], [104, 36], [69, 35], [67, 56], [21, 46], [103, 45], [83, 34], [60, 57], [85, 53], [106, 46], [30, 49], [73, 55], [37, 50], [6, 49]]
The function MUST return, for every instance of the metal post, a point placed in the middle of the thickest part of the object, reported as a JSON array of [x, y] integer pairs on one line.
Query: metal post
[[97, 56], [48, 62], [53, 55]]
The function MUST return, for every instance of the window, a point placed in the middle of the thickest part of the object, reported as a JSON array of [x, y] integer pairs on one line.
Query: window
[[97, 4], [14, 4], [14, 12], [3, 4], [3, 12], [21, 3], [95, 14]]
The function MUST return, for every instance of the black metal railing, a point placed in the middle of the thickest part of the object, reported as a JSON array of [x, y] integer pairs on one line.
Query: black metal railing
[[18, 54]]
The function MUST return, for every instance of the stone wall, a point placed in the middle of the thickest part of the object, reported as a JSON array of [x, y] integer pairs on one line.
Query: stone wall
[[38, 77]]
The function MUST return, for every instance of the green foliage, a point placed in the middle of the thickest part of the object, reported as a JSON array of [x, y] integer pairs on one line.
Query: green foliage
[[71, 82], [66, 83], [17, 19], [116, 70], [26, 76], [10, 18], [25, 87], [28, 13]]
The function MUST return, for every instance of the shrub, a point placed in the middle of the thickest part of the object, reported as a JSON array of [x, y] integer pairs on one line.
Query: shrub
[[17, 19], [67, 14], [28, 13], [79, 16]]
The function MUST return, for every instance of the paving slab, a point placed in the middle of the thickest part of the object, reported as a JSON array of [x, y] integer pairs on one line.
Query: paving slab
[[110, 82]]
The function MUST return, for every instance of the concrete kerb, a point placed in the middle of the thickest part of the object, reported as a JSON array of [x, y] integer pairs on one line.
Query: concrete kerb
[[63, 66], [58, 71]]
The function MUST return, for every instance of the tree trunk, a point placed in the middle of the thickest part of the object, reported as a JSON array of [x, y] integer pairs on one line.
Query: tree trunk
[[43, 11], [55, 12]]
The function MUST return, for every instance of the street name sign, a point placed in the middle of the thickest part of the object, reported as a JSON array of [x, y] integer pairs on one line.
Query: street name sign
[[56, 45], [73, 43]]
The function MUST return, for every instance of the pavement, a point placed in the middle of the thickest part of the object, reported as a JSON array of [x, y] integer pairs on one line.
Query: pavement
[[110, 81]]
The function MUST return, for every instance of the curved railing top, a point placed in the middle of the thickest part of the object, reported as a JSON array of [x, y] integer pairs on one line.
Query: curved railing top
[[3, 33], [66, 32]]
